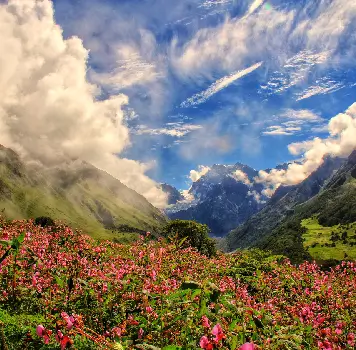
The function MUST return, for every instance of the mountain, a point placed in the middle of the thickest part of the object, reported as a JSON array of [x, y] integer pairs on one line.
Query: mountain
[[77, 193], [281, 206], [223, 198], [174, 195]]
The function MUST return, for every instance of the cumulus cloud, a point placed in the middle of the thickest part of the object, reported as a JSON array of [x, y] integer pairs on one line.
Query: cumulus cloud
[[239, 175], [218, 86], [48, 110], [341, 142], [195, 175]]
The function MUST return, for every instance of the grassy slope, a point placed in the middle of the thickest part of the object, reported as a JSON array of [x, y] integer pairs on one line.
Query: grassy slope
[[318, 240], [85, 203]]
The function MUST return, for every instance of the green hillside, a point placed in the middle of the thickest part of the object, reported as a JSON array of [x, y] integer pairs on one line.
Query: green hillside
[[77, 193], [325, 243], [295, 232]]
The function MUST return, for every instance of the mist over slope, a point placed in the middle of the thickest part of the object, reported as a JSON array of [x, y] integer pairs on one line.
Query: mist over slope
[[76, 192]]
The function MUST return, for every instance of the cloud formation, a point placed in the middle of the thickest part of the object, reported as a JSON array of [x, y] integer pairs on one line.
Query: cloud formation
[[195, 175], [239, 175], [218, 86], [340, 142], [48, 110], [171, 129]]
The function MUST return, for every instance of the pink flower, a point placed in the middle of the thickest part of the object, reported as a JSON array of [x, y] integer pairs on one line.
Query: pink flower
[[218, 332], [40, 330], [247, 346], [149, 309], [59, 336], [140, 333], [351, 339], [205, 322], [205, 343], [43, 333], [69, 319], [116, 331]]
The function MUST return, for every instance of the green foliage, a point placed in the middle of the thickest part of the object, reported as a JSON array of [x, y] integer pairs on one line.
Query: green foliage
[[44, 221], [328, 245], [191, 233], [19, 327]]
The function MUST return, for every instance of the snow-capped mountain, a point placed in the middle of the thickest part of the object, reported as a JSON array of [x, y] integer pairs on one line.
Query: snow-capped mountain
[[223, 198]]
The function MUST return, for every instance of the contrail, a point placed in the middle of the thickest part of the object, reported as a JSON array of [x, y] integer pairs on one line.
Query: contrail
[[217, 86]]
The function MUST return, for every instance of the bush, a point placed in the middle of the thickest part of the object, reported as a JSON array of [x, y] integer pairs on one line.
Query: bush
[[193, 234], [44, 221]]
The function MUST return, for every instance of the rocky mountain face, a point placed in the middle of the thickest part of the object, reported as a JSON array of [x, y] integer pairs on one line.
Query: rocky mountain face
[[174, 195], [76, 193], [223, 198], [285, 203]]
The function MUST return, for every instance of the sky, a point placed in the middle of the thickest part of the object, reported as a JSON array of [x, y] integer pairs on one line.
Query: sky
[[158, 91]]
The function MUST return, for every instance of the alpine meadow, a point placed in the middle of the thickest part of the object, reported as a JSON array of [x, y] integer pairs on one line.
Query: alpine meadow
[[177, 175]]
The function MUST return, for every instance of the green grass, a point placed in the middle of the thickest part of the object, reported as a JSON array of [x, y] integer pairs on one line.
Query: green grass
[[89, 200], [318, 236]]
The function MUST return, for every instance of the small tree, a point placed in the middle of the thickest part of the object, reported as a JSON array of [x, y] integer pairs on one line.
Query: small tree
[[44, 221], [193, 234]]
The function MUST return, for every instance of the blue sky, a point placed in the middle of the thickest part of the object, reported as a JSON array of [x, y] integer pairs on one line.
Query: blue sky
[[218, 81]]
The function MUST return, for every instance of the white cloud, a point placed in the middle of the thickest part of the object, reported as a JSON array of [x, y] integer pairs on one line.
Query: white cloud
[[195, 175], [325, 86], [131, 69], [254, 6], [341, 142], [301, 114], [239, 175], [218, 86], [294, 71], [173, 129], [281, 130], [48, 110]]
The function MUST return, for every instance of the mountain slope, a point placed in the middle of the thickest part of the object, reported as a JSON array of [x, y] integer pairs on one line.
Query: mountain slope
[[331, 213], [174, 195], [282, 205], [77, 193], [223, 198]]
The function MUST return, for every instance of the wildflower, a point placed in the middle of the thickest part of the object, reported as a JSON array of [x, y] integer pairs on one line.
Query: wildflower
[[205, 322], [140, 333], [69, 319], [247, 346], [117, 331], [149, 309], [218, 332], [43, 333], [205, 343], [351, 339]]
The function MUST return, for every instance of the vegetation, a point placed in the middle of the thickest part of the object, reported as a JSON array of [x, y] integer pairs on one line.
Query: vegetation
[[63, 290], [44, 221], [325, 243], [191, 234], [78, 194]]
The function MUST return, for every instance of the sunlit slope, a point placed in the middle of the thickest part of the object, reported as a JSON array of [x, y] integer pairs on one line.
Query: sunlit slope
[[78, 193], [325, 243]]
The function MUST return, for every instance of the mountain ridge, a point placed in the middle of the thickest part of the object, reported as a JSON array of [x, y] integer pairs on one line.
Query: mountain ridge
[[77, 193]]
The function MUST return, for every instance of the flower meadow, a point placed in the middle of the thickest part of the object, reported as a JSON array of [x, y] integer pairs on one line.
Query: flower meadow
[[60, 289]]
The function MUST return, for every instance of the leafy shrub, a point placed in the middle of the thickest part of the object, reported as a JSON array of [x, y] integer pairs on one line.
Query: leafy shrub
[[44, 221], [193, 234]]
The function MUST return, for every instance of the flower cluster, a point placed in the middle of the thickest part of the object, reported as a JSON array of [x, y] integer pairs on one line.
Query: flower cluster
[[151, 292]]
